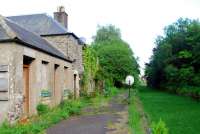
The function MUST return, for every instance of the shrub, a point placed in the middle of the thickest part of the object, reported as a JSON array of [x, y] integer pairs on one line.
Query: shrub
[[71, 95], [42, 108], [159, 128], [83, 93], [72, 106], [110, 91], [89, 95]]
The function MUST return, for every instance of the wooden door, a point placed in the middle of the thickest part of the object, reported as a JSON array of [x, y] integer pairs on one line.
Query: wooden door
[[26, 89]]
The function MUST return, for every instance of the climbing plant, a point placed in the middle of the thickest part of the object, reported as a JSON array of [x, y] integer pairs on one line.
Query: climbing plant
[[91, 67]]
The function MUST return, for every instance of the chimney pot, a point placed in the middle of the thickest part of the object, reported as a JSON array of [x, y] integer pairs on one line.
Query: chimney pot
[[61, 16], [61, 9]]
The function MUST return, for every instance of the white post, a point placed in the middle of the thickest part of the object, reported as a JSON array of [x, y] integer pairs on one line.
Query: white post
[[129, 81]]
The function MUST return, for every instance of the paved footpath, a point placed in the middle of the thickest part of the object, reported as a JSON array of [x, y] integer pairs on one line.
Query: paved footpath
[[109, 119]]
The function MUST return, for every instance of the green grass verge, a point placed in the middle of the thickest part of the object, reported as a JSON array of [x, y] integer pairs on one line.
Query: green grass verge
[[181, 114], [135, 118]]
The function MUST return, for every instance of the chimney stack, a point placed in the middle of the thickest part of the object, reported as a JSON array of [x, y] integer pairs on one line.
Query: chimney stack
[[61, 16]]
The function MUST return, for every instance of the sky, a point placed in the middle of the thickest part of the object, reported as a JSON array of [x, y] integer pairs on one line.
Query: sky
[[140, 21]]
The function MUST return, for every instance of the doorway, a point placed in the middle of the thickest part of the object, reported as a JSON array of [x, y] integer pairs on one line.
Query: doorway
[[56, 85], [27, 63], [75, 86], [26, 70]]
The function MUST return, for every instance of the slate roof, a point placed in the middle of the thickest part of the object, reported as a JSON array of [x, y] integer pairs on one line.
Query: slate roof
[[41, 24], [3, 34], [27, 38]]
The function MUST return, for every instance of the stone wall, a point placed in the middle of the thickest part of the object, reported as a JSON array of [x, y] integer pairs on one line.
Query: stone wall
[[70, 47], [13, 59], [11, 54]]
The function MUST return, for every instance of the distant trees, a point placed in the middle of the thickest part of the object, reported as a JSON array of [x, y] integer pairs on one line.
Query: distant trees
[[176, 58], [116, 58]]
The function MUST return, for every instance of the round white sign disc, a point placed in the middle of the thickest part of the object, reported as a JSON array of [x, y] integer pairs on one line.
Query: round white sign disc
[[129, 80]]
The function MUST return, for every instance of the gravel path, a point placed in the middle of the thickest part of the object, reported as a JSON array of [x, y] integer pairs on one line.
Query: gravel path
[[110, 119]]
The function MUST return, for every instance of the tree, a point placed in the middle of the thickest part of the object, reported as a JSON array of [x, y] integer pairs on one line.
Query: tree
[[107, 34], [176, 58], [115, 56]]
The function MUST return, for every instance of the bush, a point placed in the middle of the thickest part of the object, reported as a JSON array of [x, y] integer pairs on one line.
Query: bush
[[89, 95], [42, 108], [159, 128], [71, 95], [71, 106], [111, 91]]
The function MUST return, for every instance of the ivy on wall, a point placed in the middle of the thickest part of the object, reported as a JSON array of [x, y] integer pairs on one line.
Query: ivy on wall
[[91, 67]]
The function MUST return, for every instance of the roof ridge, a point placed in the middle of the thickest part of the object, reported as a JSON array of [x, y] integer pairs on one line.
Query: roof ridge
[[26, 15], [7, 29]]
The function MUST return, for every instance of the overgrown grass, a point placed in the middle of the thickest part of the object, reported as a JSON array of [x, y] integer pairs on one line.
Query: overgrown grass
[[135, 119], [39, 123], [48, 117], [181, 114]]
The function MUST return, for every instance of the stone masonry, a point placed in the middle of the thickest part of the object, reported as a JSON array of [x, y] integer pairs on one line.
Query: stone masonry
[[11, 54], [70, 48]]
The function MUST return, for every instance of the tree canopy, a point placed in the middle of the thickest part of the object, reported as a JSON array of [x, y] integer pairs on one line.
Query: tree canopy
[[115, 56], [176, 57]]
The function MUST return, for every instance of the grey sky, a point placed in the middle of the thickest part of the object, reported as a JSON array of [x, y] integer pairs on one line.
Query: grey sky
[[140, 21]]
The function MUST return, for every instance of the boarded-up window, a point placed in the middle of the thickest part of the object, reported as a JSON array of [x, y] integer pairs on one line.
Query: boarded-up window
[[66, 90], [4, 82], [45, 91]]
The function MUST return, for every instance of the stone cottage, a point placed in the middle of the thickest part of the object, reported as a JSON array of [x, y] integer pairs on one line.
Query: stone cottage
[[40, 62]]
